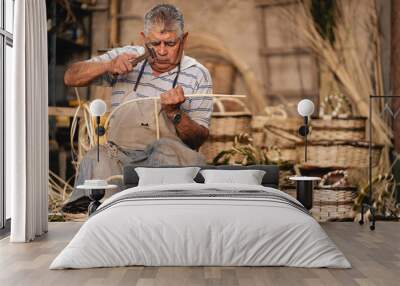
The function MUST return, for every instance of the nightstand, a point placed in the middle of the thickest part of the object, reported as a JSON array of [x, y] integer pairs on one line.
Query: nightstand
[[304, 189]]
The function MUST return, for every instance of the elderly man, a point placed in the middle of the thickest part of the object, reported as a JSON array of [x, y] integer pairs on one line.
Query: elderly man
[[182, 122], [170, 76]]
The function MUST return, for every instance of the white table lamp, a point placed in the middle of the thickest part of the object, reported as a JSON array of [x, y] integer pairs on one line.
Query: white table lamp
[[97, 108], [305, 108]]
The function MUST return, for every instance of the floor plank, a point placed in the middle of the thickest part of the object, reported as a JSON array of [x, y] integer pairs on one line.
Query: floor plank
[[375, 257]]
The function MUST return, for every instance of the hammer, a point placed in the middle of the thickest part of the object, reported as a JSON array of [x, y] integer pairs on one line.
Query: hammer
[[148, 52]]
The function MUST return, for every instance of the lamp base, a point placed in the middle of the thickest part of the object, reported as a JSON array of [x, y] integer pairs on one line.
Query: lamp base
[[305, 193], [95, 195]]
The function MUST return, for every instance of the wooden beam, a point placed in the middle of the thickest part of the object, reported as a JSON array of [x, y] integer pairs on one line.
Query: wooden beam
[[114, 7], [395, 69], [129, 17]]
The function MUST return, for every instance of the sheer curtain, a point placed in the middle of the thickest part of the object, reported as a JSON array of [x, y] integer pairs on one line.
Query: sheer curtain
[[27, 123]]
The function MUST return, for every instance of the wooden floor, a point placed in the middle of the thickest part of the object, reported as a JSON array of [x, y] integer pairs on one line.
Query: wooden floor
[[375, 257]]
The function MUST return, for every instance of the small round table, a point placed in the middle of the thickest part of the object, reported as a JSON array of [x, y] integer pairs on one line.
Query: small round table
[[96, 193], [304, 189]]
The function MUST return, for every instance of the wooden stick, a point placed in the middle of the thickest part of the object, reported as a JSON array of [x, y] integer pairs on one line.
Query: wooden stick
[[156, 116], [158, 98]]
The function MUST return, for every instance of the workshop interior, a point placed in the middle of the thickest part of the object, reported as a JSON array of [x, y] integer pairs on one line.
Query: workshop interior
[[178, 141]]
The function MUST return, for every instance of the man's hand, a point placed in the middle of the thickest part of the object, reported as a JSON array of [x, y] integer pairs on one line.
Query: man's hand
[[121, 64], [171, 100], [188, 130]]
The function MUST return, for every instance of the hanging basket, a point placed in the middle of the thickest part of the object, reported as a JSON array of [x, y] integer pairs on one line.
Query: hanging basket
[[339, 154], [349, 129]]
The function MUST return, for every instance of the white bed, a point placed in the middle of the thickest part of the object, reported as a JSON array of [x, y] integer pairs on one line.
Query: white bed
[[221, 225]]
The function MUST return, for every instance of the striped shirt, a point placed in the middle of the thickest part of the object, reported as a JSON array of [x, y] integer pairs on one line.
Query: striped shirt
[[194, 78]]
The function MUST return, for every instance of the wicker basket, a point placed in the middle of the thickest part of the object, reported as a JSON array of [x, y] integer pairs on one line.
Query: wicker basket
[[334, 203], [230, 125], [225, 123], [339, 154], [324, 213], [257, 129], [224, 127], [349, 129], [213, 146], [283, 133], [288, 153], [258, 122]]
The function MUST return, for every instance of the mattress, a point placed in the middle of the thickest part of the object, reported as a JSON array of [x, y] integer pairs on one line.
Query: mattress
[[201, 225]]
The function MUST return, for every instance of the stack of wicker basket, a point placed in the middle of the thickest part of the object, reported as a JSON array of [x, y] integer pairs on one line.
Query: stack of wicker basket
[[277, 131], [336, 144], [330, 203], [283, 133], [224, 126]]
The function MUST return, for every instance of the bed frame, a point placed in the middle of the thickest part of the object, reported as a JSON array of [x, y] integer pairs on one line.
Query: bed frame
[[270, 179]]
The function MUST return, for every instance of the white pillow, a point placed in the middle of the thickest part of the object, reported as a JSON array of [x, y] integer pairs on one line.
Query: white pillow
[[248, 177], [165, 176]]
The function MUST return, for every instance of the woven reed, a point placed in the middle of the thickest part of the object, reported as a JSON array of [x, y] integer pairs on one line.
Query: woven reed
[[213, 146], [291, 125], [230, 124], [331, 203], [224, 126], [258, 122], [340, 154], [342, 123], [258, 138], [338, 129], [329, 213], [288, 154], [257, 129]]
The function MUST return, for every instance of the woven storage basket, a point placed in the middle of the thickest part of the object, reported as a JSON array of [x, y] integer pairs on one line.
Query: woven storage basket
[[283, 133], [339, 154], [213, 146], [230, 125], [257, 129], [333, 203], [224, 126], [226, 123], [258, 122], [338, 129], [258, 138], [324, 213], [288, 153]]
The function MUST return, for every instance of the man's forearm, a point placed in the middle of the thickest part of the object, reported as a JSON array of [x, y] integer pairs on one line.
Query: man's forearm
[[83, 73], [192, 133]]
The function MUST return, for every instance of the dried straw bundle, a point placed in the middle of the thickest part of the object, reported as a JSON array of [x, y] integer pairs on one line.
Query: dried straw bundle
[[59, 191], [86, 131], [358, 72], [243, 152]]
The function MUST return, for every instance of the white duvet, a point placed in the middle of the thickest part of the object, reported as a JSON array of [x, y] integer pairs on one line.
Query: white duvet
[[183, 231]]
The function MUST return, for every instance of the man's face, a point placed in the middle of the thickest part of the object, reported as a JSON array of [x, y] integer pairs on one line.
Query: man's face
[[167, 46]]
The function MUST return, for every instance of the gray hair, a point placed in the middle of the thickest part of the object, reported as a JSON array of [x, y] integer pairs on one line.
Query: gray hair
[[166, 15]]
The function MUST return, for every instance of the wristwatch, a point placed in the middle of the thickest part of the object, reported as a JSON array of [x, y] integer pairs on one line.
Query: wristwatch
[[176, 118]]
